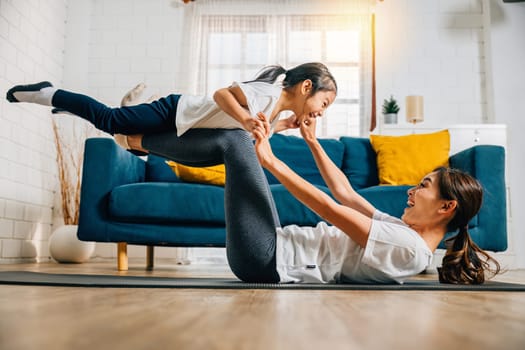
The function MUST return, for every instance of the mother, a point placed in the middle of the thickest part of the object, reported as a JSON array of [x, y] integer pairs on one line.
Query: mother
[[363, 244]]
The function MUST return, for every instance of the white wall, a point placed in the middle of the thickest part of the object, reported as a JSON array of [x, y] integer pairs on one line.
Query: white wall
[[31, 49], [508, 57], [435, 49]]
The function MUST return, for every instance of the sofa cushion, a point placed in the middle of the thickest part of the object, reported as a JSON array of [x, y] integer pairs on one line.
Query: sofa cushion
[[158, 171], [389, 199], [294, 151], [359, 162], [185, 203], [212, 175], [290, 210], [164, 202], [405, 160]]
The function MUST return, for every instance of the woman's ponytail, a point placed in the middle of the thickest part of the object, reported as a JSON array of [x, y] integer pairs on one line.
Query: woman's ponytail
[[464, 262]]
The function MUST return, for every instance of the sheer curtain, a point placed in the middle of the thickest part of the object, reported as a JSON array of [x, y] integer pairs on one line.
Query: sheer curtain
[[231, 40]]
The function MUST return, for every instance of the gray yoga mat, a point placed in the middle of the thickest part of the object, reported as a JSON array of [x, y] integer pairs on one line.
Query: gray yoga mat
[[105, 281]]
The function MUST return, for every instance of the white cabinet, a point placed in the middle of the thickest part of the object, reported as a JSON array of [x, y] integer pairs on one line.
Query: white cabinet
[[462, 136]]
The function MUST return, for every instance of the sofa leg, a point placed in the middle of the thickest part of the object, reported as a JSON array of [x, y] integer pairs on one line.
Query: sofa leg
[[122, 256], [150, 257]]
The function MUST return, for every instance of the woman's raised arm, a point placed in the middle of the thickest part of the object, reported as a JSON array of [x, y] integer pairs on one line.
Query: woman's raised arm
[[352, 222], [335, 179]]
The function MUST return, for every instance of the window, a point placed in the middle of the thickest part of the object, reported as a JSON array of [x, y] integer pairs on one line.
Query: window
[[235, 48]]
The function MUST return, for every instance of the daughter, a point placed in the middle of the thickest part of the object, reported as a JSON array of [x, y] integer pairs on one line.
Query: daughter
[[307, 90]]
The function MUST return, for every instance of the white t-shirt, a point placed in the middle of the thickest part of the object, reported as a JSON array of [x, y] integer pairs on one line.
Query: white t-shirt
[[325, 254], [202, 111]]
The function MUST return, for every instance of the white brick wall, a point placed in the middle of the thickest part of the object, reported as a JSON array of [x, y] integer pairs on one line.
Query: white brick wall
[[131, 42], [31, 49]]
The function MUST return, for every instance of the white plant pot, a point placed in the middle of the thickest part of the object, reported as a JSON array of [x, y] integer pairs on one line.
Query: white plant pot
[[65, 247], [390, 118]]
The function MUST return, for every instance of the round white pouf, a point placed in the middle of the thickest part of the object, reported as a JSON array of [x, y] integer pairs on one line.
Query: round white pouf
[[65, 247]]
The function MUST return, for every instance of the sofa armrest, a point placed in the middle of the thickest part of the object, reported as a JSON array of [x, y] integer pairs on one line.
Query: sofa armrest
[[487, 164], [106, 166]]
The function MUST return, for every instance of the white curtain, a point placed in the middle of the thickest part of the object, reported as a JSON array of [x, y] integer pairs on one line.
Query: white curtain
[[230, 40]]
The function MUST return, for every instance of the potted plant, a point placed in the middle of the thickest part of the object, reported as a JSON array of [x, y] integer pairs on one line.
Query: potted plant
[[390, 110]]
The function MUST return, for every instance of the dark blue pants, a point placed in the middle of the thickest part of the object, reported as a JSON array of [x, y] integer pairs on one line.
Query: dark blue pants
[[251, 216], [157, 116]]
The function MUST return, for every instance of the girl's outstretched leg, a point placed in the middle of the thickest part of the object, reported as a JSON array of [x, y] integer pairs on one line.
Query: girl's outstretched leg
[[154, 117], [157, 116]]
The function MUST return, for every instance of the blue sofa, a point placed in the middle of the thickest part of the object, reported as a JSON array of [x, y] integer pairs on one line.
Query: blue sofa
[[128, 200]]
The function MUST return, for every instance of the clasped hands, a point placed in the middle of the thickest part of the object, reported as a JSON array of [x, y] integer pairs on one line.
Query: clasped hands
[[261, 132]]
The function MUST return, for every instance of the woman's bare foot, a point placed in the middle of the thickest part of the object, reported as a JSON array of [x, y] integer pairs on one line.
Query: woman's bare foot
[[135, 143], [132, 96], [130, 142]]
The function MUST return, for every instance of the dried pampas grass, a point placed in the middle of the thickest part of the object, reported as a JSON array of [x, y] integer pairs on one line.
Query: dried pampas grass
[[70, 156], [69, 160]]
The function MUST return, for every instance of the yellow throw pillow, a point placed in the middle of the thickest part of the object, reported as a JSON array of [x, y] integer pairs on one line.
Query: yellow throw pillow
[[213, 175], [404, 160]]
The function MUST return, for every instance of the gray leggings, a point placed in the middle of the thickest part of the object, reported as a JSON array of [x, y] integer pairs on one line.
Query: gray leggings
[[251, 216]]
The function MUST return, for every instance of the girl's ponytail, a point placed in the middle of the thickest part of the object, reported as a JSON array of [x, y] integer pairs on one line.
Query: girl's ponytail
[[269, 74], [317, 73]]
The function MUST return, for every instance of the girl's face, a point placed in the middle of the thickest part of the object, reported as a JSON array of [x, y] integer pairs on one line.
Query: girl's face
[[425, 207], [312, 106]]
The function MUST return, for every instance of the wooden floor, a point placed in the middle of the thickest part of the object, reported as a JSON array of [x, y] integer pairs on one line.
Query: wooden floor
[[110, 318]]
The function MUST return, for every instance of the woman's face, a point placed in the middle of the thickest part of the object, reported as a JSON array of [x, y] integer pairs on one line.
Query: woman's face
[[314, 106], [424, 203]]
